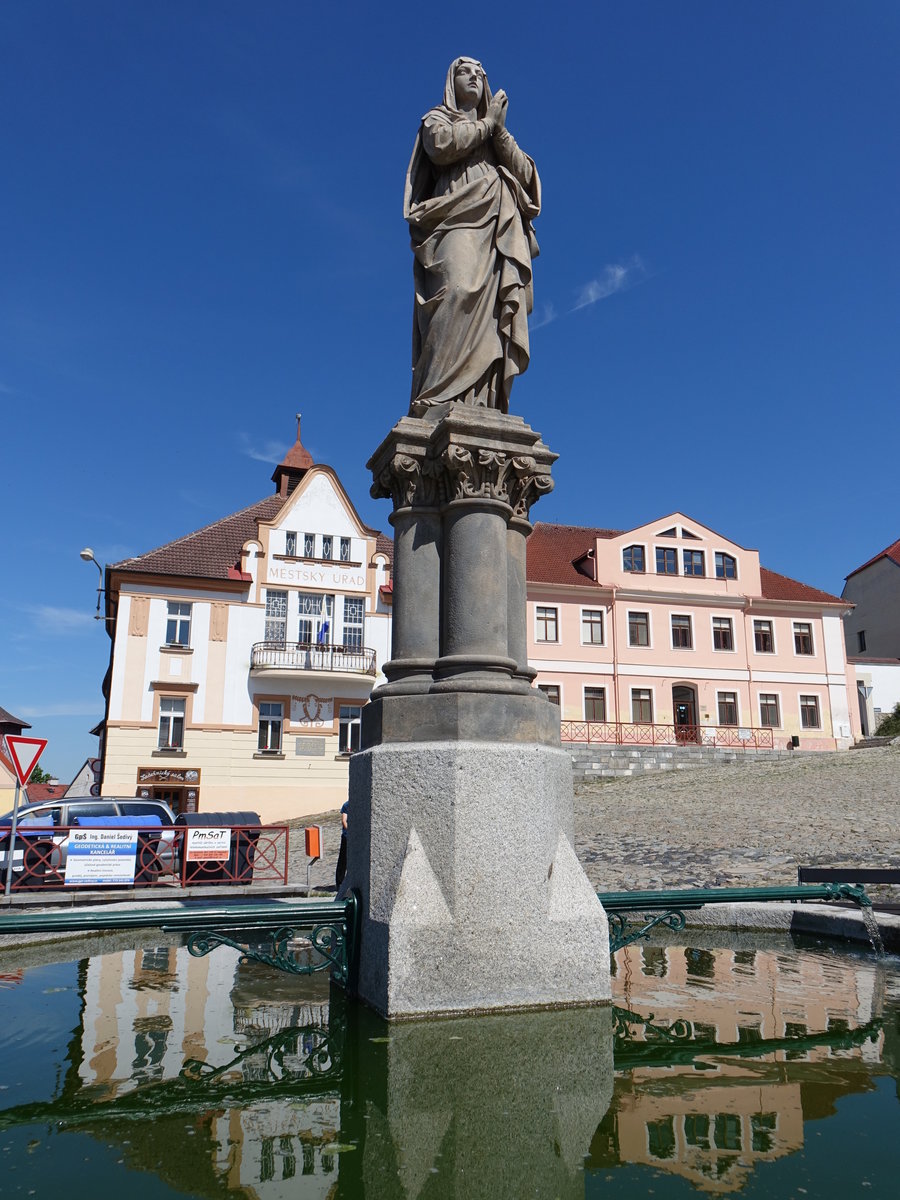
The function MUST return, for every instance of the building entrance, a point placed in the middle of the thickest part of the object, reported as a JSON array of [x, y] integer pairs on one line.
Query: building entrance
[[179, 787], [684, 706]]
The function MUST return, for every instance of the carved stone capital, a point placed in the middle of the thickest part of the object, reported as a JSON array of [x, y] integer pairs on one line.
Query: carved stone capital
[[401, 468], [461, 453]]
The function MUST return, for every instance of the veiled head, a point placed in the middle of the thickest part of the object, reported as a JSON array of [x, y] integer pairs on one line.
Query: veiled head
[[467, 84]]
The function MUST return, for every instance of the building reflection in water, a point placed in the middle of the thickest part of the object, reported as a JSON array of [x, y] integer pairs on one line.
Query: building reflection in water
[[769, 1039], [277, 1087]]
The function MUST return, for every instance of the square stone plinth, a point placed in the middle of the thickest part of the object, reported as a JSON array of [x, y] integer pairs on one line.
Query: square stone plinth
[[472, 897]]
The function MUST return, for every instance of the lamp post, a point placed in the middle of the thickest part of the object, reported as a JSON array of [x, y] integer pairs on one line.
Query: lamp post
[[88, 555]]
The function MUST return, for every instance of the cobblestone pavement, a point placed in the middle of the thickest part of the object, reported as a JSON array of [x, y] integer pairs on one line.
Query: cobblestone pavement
[[743, 825], [321, 875]]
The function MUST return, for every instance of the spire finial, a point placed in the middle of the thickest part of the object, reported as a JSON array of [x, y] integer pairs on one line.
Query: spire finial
[[299, 415]]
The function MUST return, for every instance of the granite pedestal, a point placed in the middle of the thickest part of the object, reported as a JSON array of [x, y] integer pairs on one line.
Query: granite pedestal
[[460, 824]]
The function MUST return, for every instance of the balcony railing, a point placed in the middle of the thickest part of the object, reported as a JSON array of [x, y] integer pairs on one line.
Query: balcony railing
[[621, 733], [312, 656]]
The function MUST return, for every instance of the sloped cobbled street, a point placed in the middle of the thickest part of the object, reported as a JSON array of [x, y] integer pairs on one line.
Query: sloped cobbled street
[[741, 825], [729, 825]]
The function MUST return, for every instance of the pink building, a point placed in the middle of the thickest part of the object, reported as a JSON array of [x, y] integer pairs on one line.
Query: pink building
[[671, 632]]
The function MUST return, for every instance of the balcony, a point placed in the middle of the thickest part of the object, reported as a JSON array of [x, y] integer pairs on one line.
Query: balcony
[[301, 658]]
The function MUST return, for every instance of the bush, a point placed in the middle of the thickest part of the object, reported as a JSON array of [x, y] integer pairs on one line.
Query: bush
[[889, 726]]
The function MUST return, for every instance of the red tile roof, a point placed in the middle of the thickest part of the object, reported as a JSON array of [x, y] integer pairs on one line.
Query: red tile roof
[[780, 587], [6, 718], [553, 551], [892, 553], [213, 552], [38, 792]]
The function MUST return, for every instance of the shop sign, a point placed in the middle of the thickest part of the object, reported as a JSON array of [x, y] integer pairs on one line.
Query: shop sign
[[168, 775], [101, 856], [207, 845]]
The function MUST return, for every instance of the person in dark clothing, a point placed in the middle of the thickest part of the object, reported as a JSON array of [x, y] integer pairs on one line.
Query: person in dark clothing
[[341, 870]]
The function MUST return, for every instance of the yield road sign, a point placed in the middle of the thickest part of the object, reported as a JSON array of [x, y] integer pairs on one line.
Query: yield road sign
[[25, 752]]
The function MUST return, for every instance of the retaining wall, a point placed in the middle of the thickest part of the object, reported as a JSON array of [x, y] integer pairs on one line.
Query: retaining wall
[[622, 762]]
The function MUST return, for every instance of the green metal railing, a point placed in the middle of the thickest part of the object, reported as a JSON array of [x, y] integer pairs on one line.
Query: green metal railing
[[669, 907], [328, 929], [316, 935]]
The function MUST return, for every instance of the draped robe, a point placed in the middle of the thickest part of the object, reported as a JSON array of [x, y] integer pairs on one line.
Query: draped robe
[[470, 197]]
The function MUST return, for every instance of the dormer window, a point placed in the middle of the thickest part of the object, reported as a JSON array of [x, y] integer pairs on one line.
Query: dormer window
[[309, 545], [327, 545], [726, 566], [290, 543], [345, 549], [633, 559], [666, 561]]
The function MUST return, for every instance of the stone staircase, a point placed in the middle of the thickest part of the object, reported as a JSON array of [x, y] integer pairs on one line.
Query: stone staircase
[[624, 762]]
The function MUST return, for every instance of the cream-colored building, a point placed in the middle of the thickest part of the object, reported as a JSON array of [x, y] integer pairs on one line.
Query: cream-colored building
[[242, 653]]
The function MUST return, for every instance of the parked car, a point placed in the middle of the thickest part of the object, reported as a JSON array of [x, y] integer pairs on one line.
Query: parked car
[[56, 814]]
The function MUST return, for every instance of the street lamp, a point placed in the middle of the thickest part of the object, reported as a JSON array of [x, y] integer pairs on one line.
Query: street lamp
[[88, 555]]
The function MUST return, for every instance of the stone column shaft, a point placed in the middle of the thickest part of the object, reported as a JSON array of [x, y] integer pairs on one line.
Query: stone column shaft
[[474, 638], [517, 615], [415, 637]]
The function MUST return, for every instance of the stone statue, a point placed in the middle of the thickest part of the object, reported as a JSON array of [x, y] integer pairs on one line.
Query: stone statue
[[471, 195]]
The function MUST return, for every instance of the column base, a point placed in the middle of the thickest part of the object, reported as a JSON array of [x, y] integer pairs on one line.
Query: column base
[[451, 716]]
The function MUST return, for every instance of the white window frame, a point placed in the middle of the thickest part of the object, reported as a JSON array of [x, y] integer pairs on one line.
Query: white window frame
[[771, 622], [349, 727], [779, 704], [737, 704], [590, 641], [309, 545], [712, 634], [315, 609], [634, 546], [172, 709], [692, 550], [690, 621], [271, 726], [727, 578], [179, 618], [328, 546], [346, 550], [271, 618], [290, 543], [348, 627], [538, 609], [652, 691], [590, 687], [801, 696], [665, 574], [812, 640], [643, 613]]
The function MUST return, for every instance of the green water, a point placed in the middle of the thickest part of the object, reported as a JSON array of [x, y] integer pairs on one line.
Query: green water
[[763, 1068]]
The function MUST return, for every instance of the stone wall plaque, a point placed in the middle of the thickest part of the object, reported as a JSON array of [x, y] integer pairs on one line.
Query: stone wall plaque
[[310, 747]]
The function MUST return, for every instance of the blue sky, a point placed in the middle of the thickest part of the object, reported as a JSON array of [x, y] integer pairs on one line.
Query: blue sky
[[202, 235]]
